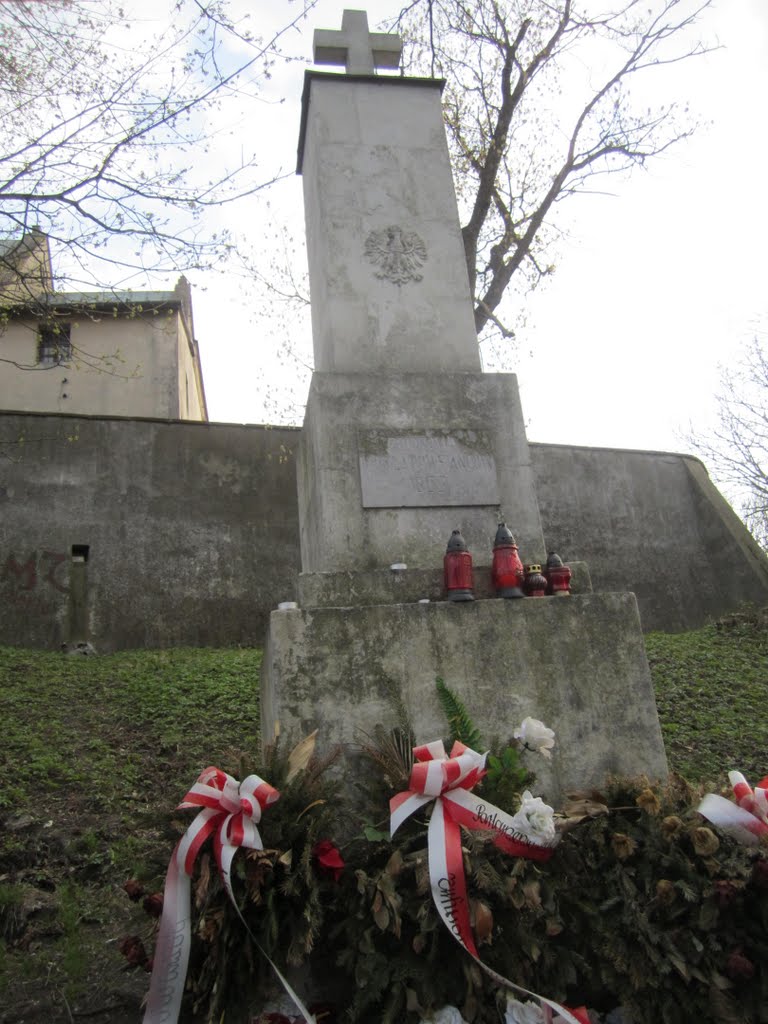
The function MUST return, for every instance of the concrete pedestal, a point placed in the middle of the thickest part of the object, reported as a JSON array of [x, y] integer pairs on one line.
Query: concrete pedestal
[[389, 464], [577, 663]]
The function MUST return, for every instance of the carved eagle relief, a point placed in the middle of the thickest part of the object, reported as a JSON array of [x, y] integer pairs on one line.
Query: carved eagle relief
[[397, 255]]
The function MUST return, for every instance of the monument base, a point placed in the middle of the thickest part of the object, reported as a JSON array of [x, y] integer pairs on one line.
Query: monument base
[[389, 464], [576, 663]]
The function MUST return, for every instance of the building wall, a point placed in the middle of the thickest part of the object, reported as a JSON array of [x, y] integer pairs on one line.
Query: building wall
[[192, 530], [137, 364], [189, 388]]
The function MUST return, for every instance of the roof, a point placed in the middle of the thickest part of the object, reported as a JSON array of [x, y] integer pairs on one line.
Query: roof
[[121, 298]]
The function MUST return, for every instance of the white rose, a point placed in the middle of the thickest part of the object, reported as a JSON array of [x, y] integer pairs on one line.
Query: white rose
[[445, 1015], [522, 1013], [536, 736], [535, 819]]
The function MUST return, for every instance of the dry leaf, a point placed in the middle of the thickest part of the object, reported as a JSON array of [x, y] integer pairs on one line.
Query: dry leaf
[[309, 807], [584, 808], [412, 1000], [532, 892], [481, 919], [395, 864], [301, 755], [204, 880], [381, 917]]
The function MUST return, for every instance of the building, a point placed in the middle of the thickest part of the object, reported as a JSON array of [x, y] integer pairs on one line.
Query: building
[[112, 353]]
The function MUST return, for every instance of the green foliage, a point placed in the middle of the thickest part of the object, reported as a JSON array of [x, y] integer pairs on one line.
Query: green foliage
[[460, 725], [506, 778]]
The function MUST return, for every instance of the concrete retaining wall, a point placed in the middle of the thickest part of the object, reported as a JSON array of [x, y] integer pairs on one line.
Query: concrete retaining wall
[[652, 523], [192, 530]]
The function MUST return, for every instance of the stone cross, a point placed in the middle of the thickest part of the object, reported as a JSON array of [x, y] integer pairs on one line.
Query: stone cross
[[359, 50]]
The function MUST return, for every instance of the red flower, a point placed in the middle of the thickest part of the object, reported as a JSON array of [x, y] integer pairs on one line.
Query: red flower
[[328, 859], [153, 905], [133, 950], [738, 966], [134, 888]]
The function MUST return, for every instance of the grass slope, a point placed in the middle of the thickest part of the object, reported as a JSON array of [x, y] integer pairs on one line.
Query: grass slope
[[712, 696], [97, 752]]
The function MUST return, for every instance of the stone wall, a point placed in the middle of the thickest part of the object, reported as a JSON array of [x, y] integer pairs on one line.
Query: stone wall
[[192, 531], [652, 523]]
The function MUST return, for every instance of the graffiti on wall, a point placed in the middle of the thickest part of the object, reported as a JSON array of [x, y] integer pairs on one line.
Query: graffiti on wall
[[39, 570]]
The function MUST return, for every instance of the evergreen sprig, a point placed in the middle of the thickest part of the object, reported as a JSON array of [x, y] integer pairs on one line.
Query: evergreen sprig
[[460, 725]]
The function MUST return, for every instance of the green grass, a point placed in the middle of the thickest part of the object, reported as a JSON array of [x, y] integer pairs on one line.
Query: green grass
[[98, 751], [122, 729], [712, 696]]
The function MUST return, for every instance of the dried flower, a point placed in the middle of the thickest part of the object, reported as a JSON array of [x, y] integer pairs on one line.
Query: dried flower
[[738, 966], [153, 905], [535, 819], [133, 950], [328, 859], [671, 825], [535, 736], [648, 801], [725, 892], [665, 892], [134, 888], [623, 846], [705, 842]]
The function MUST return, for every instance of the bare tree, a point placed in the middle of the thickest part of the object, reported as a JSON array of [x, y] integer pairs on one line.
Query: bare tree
[[538, 104], [736, 451], [107, 134]]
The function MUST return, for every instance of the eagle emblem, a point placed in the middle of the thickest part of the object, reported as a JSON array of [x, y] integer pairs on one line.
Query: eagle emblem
[[397, 255]]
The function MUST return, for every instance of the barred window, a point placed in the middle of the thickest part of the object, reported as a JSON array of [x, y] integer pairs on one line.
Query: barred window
[[54, 345]]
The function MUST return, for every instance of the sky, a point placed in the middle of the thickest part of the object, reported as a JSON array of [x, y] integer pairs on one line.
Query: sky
[[659, 280]]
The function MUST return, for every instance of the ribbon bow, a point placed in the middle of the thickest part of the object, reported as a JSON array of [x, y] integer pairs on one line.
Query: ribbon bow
[[747, 819], [232, 810], [446, 781]]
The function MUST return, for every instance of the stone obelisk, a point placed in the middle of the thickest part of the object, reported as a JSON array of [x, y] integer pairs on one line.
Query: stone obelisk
[[404, 440]]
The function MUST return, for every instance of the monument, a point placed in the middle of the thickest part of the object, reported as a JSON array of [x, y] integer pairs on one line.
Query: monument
[[404, 440]]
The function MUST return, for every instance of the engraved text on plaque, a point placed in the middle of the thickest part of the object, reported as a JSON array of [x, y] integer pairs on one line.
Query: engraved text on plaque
[[408, 469]]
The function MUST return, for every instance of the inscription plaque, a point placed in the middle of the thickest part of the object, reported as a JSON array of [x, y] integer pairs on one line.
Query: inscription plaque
[[429, 468]]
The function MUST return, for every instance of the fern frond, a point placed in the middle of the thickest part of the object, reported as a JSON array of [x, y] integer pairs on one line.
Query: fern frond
[[460, 725]]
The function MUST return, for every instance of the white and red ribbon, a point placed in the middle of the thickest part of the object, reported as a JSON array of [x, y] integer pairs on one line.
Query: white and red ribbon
[[445, 782], [747, 819], [230, 811]]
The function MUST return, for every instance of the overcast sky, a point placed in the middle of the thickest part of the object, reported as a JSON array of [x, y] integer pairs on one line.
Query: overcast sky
[[656, 283]]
